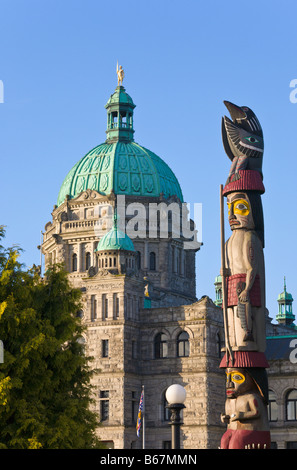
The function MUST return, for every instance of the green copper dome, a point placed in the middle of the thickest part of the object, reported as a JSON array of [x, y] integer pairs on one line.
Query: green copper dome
[[285, 296], [115, 239], [120, 96], [120, 165], [124, 168]]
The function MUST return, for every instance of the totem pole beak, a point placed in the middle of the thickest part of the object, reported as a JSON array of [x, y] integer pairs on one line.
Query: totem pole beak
[[236, 112]]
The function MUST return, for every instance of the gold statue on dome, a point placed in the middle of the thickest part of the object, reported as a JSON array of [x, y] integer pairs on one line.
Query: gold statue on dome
[[120, 74]]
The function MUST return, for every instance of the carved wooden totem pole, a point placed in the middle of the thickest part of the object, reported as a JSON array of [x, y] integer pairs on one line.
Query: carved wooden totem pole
[[243, 285]]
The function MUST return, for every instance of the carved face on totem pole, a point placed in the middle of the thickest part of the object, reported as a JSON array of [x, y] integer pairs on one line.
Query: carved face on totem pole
[[240, 211], [246, 409], [238, 382]]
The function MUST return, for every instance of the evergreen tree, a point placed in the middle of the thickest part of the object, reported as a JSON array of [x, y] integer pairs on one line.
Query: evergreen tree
[[45, 391]]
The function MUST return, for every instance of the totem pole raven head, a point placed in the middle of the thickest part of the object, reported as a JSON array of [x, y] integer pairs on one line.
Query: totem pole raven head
[[243, 136]]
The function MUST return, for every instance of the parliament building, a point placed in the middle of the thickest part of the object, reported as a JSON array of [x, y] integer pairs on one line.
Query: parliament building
[[117, 226]]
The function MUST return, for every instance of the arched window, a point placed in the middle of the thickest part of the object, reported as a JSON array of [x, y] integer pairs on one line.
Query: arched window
[[152, 261], [74, 262], [160, 346], [291, 405], [272, 406], [88, 261], [183, 346]]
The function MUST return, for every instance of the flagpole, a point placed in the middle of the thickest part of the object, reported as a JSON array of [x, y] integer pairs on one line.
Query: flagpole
[[143, 425]]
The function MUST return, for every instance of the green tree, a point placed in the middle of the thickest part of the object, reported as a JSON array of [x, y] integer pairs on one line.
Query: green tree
[[45, 390]]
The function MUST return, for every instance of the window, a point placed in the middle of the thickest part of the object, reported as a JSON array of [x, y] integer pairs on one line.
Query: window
[[138, 260], [108, 444], [272, 406], [166, 445], [74, 263], [179, 260], [165, 410], [219, 294], [173, 259], [88, 261], [134, 408], [93, 308], [105, 347], [183, 347], [152, 261], [161, 347], [116, 306], [291, 445], [104, 405], [291, 405], [104, 307], [220, 344]]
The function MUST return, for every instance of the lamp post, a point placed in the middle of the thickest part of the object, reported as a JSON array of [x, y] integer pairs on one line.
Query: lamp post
[[175, 396]]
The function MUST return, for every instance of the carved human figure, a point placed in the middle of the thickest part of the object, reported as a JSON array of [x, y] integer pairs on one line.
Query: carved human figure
[[120, 74], [246, 409], [245, 273]]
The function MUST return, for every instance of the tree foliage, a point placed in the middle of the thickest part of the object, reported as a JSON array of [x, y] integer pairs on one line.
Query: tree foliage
[[45, 390]]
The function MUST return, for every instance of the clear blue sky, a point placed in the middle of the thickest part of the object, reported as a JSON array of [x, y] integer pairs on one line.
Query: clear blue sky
[[181, 60]]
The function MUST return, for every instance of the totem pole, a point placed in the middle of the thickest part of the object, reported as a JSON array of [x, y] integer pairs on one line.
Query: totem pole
[[243, 285]]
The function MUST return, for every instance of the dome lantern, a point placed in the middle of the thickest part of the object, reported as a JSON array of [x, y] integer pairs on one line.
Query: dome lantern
[[285, 314], [120, 108]]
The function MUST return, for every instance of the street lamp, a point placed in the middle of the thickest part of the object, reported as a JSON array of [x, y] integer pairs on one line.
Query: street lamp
[[175, 396]]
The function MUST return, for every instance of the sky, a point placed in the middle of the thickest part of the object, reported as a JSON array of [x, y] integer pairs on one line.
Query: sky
[[181, 60]]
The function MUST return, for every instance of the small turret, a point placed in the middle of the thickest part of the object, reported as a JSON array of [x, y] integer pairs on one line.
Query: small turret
[[285, 312]]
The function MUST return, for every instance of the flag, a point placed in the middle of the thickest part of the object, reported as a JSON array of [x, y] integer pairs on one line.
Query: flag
[[139, 417]]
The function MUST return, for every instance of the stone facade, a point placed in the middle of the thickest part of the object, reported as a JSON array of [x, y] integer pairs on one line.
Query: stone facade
[[127, 368]]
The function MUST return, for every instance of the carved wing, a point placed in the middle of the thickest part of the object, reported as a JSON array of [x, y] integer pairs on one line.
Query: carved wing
[[225, 141]]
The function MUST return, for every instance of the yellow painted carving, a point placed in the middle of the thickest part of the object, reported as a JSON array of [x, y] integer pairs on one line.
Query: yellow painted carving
[[240, 207], [236, 376]]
